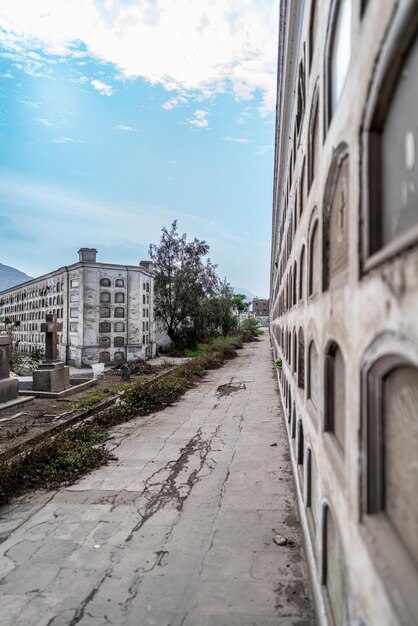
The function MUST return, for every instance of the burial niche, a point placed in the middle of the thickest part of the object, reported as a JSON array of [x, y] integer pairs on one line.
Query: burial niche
[[314, 261], [333, 574], [105, 296], [104, 342], [301, 444], [295, 286], [294, 352], [104, 327], [312, 488], [119, 357], [313, 27], [339, 53], [393, 161], [391, 445], [302, 274], [301, 359], [336, 209], [400, 427], [335, 394], [313, 383], [313, 139]]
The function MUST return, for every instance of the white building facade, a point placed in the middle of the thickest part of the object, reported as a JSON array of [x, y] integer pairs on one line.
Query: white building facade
[[344, 298], [106, 311]]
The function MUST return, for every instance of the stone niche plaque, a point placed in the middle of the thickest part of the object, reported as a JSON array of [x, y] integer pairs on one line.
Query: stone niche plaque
[[9, 387]]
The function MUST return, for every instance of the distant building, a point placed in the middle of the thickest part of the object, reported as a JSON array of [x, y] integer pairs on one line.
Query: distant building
[[260, 307], [106, 311], [344, 298]]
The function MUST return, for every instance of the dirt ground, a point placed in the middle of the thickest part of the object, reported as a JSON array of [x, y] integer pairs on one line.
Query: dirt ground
[[22, 423]]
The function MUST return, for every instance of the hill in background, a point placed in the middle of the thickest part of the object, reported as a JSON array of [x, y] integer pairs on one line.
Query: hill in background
[[10, 277], [250, 296]]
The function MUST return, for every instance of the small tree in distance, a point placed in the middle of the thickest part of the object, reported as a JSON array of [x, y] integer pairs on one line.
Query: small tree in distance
[[240, 302]]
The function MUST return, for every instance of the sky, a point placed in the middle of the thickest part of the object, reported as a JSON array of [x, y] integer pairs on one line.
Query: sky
[[119, 116]]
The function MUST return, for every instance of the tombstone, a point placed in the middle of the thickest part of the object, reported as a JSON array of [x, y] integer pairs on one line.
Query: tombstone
[[9, 387], [52, 375]]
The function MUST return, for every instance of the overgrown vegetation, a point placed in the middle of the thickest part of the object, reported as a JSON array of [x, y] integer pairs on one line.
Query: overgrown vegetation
[[191, 302], [81, 449], [97, 395], [249, 329], [59, 461]]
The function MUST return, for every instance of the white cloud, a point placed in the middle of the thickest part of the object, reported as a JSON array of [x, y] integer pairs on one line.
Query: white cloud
[[196, 49], [43, 121], [236, 139], [174, 102], [63, 140], [103, 88], [199, 119], [127, 129], [82, 80], [264, 150], [244, 115], [29, 103]]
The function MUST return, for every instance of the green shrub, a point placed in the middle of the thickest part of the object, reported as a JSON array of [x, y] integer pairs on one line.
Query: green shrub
[[249, 325], [200, 350], [224, 345]]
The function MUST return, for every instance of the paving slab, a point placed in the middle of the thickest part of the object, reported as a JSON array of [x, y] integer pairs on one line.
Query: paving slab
[[179, 530]]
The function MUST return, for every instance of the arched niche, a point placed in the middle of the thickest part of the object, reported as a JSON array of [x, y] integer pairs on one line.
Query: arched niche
[[313, 374], [314, 259], [335, 394], [333, 570], [301, 359], [336, 208]]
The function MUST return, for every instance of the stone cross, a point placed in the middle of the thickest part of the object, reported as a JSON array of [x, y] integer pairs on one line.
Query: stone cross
[[51, 328]]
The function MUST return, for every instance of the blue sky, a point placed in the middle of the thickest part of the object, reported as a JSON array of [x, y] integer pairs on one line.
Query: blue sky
[[118, 117]]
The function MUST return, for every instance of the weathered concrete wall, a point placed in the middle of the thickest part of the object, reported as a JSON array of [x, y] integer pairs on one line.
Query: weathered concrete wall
[[367, 308]]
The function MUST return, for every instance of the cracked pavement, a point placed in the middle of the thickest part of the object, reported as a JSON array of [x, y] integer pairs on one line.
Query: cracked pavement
[[179, 530]]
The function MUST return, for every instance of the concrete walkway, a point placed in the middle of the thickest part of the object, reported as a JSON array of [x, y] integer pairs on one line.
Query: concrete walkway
[[179, 530]]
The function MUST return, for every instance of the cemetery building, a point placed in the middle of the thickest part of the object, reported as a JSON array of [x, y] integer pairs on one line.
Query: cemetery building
[[344, 298], [105, 311], [260, 306]]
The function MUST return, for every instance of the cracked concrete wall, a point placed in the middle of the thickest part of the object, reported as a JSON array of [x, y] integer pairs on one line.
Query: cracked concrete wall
[[371, 312]]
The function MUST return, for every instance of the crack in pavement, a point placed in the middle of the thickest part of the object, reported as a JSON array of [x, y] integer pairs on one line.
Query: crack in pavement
[[79, 614], [170, 490], [221, 495]]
